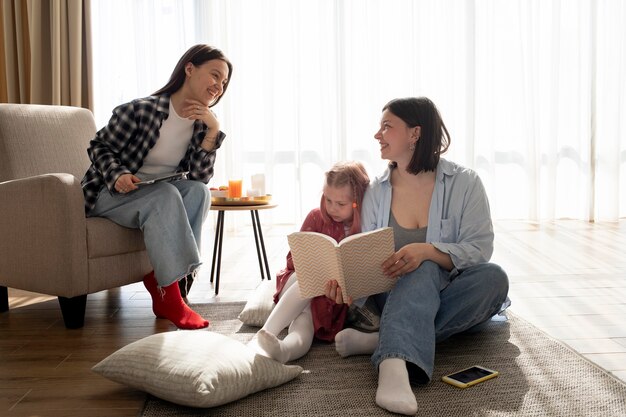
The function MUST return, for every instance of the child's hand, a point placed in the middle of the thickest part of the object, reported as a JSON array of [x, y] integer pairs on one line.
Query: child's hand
[[333, 292]]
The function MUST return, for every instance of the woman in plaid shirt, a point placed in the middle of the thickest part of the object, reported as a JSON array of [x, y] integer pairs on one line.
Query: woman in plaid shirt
[[173, 130]]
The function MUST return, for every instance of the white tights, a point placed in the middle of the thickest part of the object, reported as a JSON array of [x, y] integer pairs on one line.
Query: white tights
[[291, 311]]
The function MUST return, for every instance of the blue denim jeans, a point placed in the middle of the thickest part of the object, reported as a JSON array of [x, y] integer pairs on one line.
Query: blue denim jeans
[[170, 214], [429, 305]]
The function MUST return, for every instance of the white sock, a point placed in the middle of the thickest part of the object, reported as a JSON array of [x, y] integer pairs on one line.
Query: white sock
[[394, 391], [353, 342], [295, 345], [271, 346]]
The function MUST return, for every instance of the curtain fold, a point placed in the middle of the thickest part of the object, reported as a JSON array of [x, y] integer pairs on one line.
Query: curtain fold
[[45, 52], [3, 69]]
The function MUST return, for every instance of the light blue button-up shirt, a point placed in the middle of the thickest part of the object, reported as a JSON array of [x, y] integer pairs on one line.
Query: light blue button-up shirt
[[459, 220]]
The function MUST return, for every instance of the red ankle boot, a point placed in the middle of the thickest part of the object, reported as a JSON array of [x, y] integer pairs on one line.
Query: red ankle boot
[[167, 303]]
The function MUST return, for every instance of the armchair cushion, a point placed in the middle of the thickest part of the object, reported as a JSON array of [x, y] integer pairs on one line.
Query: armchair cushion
[[105, 238]]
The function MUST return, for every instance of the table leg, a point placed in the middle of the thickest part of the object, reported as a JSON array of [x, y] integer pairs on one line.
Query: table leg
[[256, 242], [258, 238], [217, 250]]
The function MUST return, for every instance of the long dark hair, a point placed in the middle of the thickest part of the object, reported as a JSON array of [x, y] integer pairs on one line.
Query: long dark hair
[[434, 138], [197, 55]]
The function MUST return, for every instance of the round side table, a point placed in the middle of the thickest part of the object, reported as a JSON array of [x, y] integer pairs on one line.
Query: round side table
[[258, 238]]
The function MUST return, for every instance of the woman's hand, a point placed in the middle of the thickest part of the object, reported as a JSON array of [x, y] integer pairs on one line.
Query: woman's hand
[[126, 183], [196, 110], [407, 259], [333, 292], [411, 256]]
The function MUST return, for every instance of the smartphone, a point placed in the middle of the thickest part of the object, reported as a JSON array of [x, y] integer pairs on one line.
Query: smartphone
[[470, 376]]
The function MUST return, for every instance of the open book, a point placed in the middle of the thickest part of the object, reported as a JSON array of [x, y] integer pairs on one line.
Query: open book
[[355, 262]]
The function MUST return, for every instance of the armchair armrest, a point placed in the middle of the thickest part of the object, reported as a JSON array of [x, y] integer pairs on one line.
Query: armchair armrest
[[43, 229]]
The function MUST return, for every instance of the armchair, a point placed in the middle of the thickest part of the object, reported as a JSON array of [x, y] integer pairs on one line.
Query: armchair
[[47, 244]]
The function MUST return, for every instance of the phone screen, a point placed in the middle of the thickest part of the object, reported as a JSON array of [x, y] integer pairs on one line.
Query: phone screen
[[470, 374]]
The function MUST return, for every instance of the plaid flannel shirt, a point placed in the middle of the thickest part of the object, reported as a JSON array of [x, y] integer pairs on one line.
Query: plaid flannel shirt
[[121, 146]]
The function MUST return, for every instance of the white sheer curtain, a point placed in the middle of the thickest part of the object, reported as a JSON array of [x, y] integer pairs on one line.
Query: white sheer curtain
[[532, 91]]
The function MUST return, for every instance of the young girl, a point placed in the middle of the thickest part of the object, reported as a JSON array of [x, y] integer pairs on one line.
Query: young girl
[[338, 216]]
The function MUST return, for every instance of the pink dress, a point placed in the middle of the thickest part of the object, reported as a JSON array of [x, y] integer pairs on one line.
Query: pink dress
[[328, 316]]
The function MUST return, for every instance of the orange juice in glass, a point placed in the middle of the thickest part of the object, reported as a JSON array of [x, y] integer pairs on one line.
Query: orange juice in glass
[[234, 188]]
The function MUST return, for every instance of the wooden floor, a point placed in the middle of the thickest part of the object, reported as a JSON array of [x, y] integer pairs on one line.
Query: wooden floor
[[567, 277]]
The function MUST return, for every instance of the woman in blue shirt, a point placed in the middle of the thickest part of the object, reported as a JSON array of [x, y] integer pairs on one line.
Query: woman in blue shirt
[[444, 239]]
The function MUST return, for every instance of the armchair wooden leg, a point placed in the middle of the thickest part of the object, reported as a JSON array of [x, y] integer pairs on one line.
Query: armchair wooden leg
[[73, 310], [4, 299]]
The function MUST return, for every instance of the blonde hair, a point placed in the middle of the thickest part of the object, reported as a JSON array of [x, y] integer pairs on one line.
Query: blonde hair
[[354, 175]]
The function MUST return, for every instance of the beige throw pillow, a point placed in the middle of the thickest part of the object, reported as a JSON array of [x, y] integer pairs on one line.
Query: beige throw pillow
[[195, 368], [260, 305]]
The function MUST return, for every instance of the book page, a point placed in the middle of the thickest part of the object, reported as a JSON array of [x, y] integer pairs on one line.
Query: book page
[[362, 257], [315, 261]]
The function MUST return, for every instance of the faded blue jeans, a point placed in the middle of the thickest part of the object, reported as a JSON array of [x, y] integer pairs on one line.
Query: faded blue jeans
[[170, 214], [429, 305]]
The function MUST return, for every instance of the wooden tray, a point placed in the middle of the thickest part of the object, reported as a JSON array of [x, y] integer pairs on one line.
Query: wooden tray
[[243, 201]]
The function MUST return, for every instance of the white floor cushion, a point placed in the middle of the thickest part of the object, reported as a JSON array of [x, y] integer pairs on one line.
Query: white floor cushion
[[259, 305], [195, 368]]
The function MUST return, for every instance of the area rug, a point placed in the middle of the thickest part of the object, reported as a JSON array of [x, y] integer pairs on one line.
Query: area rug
[[539, 376]]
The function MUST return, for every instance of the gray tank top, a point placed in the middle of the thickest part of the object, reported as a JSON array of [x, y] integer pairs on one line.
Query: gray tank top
[[402, 236]]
